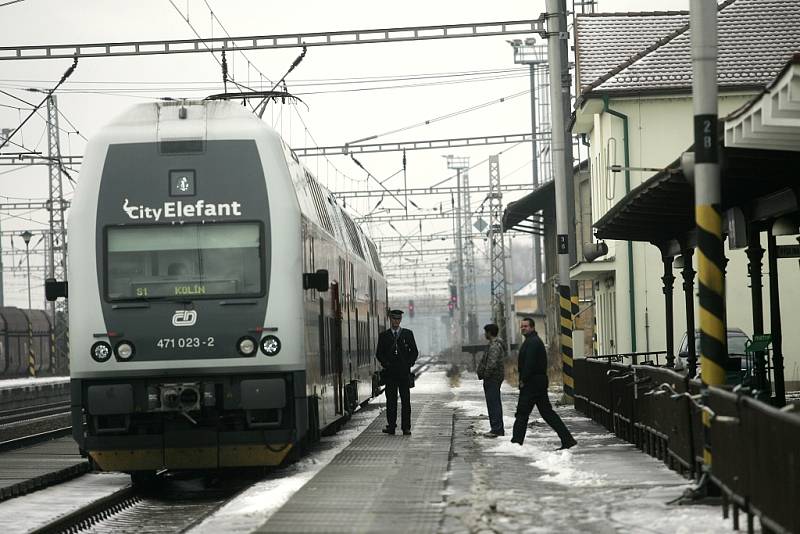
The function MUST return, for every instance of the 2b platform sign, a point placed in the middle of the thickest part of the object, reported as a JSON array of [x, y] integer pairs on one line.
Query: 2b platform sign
[[563, 244]]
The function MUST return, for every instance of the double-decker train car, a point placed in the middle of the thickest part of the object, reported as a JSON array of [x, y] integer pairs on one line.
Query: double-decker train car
[[223, 307]]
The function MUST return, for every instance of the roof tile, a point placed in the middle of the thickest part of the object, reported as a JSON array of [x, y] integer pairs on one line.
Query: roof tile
[[756, 38], [606, 40]]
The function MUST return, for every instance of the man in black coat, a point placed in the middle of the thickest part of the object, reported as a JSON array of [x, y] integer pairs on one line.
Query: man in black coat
[[532, 364], [397, 352]]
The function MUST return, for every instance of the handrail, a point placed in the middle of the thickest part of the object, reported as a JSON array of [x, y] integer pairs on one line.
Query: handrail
[[632, 355]]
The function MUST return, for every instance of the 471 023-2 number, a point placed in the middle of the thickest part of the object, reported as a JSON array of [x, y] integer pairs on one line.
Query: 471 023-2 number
[[184, 342]]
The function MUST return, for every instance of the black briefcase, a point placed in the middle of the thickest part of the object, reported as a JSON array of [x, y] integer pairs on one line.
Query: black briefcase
[[379, 378]]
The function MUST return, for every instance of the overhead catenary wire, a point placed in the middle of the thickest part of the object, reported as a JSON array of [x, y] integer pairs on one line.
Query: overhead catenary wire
[[512, 147], [14, 107], [197, 34], [259, 109], [66, 75], [227, 33], [370, 175], [296, 82], [131, 88], [442, 117]]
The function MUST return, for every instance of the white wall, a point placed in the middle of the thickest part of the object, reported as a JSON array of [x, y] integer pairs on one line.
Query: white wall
[[660, 129]]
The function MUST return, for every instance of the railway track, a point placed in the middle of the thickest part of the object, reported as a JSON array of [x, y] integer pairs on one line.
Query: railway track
[[33, 412], [171, 504], [36, 422]]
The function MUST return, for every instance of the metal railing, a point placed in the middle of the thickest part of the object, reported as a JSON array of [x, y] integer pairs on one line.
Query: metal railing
[[657, 358], [756, 447]]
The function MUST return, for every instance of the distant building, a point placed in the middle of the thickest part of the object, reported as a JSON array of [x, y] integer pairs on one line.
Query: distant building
[[525, 302]]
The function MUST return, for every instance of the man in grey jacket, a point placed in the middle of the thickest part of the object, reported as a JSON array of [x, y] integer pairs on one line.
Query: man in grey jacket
[[491, 369]]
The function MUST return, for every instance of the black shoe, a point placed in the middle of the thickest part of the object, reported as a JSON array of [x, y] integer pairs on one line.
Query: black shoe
[[567, 445], [388, 430], [406, 432], [516, 441]]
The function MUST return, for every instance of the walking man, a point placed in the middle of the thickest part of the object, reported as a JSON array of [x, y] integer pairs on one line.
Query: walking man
[[532, 365], [491, 369], [397, 352]]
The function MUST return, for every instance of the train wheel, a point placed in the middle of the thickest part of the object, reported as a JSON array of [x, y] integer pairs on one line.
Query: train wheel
[[144, 480]]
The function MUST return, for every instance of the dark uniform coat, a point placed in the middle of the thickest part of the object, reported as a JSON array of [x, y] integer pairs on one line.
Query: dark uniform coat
[[397, 355], [532, 366]]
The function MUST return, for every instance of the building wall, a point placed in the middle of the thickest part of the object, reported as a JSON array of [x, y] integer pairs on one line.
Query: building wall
[[525, 304], [660, 129]]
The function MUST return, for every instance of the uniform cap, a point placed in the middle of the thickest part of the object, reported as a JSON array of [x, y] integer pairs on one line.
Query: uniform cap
[[396, 314]]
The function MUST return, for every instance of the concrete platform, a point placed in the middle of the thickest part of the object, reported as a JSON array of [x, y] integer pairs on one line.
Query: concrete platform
[[22, 392], [379, 483], [38, 466], [448, 478]]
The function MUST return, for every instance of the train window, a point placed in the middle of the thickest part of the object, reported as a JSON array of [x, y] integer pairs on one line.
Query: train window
[[319, 203], [371, 288], [186, 261], [376, 260], [310, 262], [336, 216], [343, 285], [352, 287], [353, 233]]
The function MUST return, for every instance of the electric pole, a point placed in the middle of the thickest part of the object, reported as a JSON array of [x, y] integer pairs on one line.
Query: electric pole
[[556, 33], [57, 246]]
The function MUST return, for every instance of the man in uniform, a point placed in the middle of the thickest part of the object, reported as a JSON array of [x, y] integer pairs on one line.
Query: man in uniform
[[397, 352], [532, 365]]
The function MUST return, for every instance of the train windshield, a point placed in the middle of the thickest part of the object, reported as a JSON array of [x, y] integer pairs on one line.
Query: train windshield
[[184, 262]]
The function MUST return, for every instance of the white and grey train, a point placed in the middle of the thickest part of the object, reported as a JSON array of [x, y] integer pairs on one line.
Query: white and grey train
[[224, 308]]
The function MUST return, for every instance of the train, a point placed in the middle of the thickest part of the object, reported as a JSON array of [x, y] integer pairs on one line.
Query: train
[[223, 306]]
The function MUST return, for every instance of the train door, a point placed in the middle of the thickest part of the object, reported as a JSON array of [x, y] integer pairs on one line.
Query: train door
[[336, 348]]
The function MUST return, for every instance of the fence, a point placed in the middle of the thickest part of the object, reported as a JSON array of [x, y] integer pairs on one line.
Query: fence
[[756, 447]]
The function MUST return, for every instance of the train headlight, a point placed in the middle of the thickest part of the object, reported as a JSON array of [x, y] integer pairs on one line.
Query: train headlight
[[270, 345], [100, 351], [246, 346], [124, 350]]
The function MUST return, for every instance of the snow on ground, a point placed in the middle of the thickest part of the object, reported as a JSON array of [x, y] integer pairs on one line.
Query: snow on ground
[[432, 382], [608, 484], [256, 505], [604, 479], [29, 512], [25, 382]]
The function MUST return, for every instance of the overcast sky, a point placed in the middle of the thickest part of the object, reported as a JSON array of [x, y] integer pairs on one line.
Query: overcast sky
[[101, 88]]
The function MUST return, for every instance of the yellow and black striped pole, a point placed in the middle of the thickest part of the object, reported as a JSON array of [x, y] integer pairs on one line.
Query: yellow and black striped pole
[[53, 369], [566, 326], [710, 255], [31, 355]]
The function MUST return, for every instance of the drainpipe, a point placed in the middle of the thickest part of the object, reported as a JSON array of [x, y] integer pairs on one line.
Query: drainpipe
[[626, 148]]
